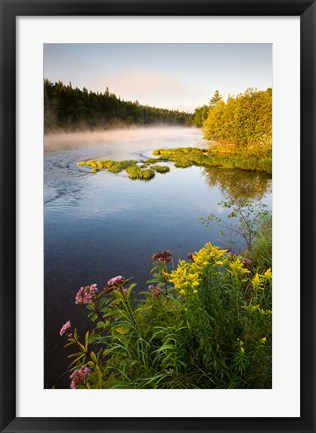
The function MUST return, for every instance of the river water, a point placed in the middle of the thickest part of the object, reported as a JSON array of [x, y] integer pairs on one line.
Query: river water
[[101, 225]]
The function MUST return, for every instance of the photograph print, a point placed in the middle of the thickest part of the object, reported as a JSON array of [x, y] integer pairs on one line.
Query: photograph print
[[157, 216]]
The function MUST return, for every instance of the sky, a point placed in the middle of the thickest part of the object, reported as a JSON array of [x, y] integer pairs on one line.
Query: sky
[[174, 76]]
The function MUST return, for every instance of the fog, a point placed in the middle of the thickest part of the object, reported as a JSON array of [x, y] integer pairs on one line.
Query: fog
[[73, 140]]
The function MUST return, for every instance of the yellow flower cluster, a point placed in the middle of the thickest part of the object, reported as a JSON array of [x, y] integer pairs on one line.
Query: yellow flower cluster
[[260, 281], [187, 277], [237, 268], [253, 308]]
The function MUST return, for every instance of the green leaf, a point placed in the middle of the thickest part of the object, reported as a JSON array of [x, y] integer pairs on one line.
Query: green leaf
[[93, 357], [122, 330], [86, 341]]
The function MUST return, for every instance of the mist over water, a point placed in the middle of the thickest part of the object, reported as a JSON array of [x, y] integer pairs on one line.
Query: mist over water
[[72, 140], [101, 225]]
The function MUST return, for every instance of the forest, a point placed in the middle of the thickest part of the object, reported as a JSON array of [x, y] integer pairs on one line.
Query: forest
[[68, 108]]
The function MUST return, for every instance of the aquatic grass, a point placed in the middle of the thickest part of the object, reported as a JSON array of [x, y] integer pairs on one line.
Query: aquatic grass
[[134, 172], [108, 164], [150, 161], [218, 156], [160, 168], [130, 166], [230, 157]]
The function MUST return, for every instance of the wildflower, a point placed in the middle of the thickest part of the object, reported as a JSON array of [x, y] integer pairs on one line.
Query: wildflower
[[162, 256], [116, 281], [156, 291], [268, 274], [257, 282], [263, 339], [85, 294], [246, 262], [78, 376], [191, 257], [237, 268], [65, 328]]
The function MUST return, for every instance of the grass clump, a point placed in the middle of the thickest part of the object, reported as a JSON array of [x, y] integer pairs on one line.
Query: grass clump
[[161, 168], [108, 164], [135, 172], [151, 160], [130, 166]]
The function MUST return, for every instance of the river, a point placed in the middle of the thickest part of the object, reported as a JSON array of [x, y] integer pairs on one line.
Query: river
[[101, 225]]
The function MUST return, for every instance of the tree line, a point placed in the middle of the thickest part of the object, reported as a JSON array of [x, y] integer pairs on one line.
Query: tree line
[[71, 108]]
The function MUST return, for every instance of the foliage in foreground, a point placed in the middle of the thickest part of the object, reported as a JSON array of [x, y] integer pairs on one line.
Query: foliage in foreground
[[205, 324]]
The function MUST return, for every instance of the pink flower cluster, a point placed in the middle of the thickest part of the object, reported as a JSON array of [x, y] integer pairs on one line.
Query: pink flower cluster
[[78, 375], [85, 294], [156, 291], [190, 256], [246, 262], [116, 281], [162, 256], [65, 329]]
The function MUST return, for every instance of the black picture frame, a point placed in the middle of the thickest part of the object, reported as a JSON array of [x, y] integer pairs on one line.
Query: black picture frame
[[10, 9]]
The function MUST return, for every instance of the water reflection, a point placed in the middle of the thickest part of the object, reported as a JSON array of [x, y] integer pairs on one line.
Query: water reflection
[[239, 184]]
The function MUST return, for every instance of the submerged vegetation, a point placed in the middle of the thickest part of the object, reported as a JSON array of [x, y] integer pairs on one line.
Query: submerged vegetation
[[205, 323]]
